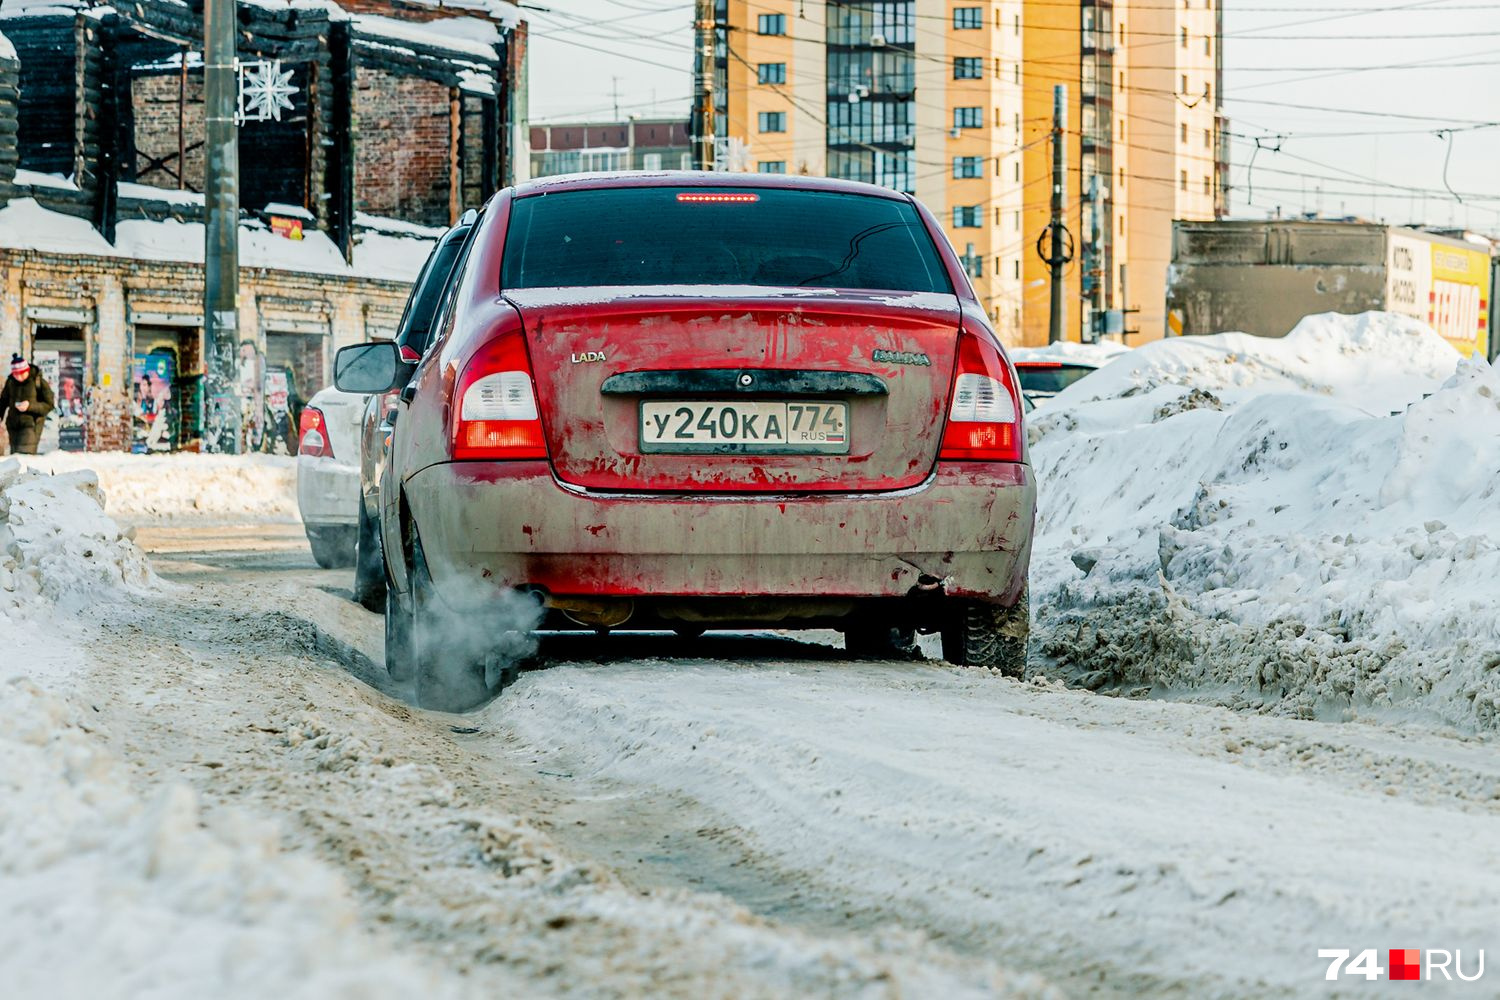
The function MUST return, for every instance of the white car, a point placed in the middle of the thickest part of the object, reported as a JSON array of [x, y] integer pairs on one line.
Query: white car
[[328, 474]]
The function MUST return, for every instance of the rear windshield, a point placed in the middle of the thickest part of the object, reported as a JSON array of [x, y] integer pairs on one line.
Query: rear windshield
[[728, 236], [1051, 379]]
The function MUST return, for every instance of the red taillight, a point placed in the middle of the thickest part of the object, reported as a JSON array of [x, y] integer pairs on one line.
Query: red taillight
[[494, 405], [312, 434], [984, 416]]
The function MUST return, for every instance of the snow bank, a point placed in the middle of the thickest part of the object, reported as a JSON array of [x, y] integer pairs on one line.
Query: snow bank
[[109, 894], [185, 484], [1306, 524], [56, 544]]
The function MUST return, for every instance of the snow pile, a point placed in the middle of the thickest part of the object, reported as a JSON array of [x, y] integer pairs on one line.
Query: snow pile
[[161, 486], [1305, 524], [56, 544], [108, 894]]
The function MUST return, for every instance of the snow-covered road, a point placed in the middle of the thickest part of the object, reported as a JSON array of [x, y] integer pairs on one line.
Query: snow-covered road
[[908, 828]]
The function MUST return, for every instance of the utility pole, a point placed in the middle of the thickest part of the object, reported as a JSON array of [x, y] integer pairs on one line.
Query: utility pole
[[1058, 255], [703, 86], [221, 202]]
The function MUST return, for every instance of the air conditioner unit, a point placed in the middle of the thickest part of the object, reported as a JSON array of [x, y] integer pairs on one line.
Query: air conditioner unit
[[878, 41], [955, 133]]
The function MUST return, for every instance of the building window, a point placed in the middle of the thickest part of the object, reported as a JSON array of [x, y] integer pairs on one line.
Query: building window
[[772, 121], [1184, 131], [1015, 269], [1208, 184], [650, 161], [1017, 74], [968, 166], [771, 166], [1183, 180], [1122, 177], [1018, 171], [1122, 225], [685, 161], [968, 117], [772, 24], [965, 18], [1184, 83], [967, 68], [1208, 45], [1122, 32], [1184, 38], [1208, 138], [967, 216], [770, 73], [1015, 28]]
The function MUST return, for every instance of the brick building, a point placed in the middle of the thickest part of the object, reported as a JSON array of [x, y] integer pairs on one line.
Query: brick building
[[636, 144], [404, 114]]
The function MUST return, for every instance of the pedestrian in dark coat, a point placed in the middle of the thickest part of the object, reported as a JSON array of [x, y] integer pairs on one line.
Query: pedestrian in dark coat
[[24, 404]]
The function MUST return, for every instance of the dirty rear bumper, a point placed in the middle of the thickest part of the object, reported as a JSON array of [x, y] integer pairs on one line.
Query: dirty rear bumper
[[505, 524]]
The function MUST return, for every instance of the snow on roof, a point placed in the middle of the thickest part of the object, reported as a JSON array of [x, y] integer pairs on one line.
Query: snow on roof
[[507, 14], [145, 192], [34, 178], [468, 35], [286, 211], [25, 225], [40, 8], [396, 227]]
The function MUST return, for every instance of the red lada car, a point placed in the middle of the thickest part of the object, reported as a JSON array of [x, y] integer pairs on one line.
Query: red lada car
[[694, 401]]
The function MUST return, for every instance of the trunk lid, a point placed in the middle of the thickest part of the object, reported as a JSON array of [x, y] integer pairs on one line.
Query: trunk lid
[[605, 360]]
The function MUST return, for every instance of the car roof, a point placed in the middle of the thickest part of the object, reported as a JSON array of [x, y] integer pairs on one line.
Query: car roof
[[700, 178]]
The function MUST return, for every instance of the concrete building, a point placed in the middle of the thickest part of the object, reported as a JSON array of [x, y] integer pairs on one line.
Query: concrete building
[[915, 95], [634, 144], [395, 126], [1145, 147], [1262, 277]]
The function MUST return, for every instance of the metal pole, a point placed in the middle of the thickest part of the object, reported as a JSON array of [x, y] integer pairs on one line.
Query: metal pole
[[1059, 184], [703, 93], [221, 200]]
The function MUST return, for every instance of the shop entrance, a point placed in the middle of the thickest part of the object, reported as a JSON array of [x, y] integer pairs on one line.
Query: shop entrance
[[60, 353], [167, 389]]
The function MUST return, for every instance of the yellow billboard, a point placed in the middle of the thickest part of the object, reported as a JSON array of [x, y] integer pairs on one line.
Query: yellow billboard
[[1458, 303]]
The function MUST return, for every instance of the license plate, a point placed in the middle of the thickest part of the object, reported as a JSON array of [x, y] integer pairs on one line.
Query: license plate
[[737, 427]]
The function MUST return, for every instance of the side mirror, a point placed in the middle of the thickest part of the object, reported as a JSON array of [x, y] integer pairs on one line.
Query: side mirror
[[370, 368]]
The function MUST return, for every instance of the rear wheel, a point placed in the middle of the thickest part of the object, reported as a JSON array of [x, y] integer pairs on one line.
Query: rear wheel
[[458, 664], [332, 548], [399, 655], [879, 641], [987, 635], [369, 565]]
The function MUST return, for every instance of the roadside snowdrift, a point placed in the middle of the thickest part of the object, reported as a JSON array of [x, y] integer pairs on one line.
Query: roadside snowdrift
[[261, 487], [56, 544], [106, 893], [1280, 523]]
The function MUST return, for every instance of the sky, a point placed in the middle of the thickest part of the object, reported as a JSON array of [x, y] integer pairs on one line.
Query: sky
[[1308, 132]]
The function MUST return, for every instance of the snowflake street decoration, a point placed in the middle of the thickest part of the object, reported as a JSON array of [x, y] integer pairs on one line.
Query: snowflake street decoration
[[265, 90]]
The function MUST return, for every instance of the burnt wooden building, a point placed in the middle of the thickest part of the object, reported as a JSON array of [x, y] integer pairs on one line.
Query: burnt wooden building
[[403, 114]]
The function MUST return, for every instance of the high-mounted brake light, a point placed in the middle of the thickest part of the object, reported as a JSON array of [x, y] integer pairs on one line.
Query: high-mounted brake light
[[720, 198], [495, 416], [312, 434], [984, 418]]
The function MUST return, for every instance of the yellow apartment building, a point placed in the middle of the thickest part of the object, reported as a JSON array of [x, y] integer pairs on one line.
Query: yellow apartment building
[[1144, 147], [952, 102], [916, 95]]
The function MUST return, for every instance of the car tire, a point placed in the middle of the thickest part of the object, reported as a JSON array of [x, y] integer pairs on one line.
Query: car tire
[[332, 548], [988, 635], [868, 640], [451, 662], [369, 565], [399, 655]]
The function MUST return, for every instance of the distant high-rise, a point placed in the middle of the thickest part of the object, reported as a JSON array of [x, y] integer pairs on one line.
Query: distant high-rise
[[952, 102]]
